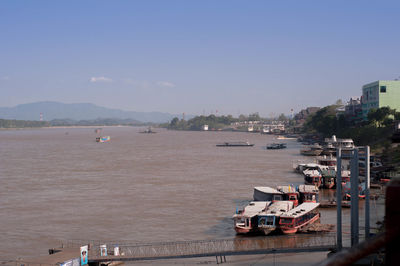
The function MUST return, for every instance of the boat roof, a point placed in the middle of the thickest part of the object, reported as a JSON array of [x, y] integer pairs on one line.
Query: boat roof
[[300, 210], [308, 189], [268, 190], [254, 208], [286, 189], [278, 208]]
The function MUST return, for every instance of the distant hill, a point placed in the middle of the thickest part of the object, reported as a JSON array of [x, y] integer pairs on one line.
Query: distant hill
[[77, 111]]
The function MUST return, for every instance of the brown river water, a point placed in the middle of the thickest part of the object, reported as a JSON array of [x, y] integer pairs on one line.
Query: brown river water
[[58, 184]]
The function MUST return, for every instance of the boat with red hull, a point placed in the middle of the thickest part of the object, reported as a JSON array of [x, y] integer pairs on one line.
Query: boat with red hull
[[297, 218]]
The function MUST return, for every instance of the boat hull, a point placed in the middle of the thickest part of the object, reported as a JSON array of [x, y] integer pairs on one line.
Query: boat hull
[[293, 230], [267, 230]]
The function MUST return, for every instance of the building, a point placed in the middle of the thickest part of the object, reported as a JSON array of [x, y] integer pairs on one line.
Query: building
[[353, 110], [379, 94]]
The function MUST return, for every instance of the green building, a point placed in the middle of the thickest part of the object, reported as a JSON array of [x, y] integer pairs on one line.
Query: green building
[[379, 94]]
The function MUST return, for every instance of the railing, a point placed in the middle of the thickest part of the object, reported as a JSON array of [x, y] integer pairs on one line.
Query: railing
[[222, 247]]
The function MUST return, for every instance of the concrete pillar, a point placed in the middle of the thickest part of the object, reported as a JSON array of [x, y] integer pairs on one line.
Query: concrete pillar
[[339, 243], [354, 197], [367, 188], [392, 219]]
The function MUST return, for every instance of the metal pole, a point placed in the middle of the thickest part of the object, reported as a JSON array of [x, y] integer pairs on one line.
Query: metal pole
[[339, 198], [367, 187], [354, 197]]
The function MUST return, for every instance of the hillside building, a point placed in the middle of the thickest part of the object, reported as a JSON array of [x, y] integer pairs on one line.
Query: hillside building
[[379, 94]]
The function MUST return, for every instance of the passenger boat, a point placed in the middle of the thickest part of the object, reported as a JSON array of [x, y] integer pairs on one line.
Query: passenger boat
[[268, 221], [304, 214], [308, 193], [289, 193], [245, 220], [103, 139], [311, 150], [276, 146], [312, 177], [267, 194], [328, 178], [235, 144]]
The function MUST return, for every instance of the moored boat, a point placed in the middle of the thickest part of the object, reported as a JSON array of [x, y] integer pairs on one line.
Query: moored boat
[[302, 215], [267, 194], [246, 220], [268, 221], [328, 178], [312, 177], [308, 193], [311, 150], [289, 193]]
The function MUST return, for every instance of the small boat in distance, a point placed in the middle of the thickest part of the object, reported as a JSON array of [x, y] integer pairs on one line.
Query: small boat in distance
[[276, 146], [235, 144], [148, 131], [103, 139]]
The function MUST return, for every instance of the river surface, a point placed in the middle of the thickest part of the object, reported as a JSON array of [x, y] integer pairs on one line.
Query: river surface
[[58, 184]]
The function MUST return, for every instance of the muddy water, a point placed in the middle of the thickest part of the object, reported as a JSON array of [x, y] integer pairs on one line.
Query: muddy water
[[59, 184]]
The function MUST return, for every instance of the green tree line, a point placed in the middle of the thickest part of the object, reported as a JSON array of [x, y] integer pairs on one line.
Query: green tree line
[[6, 123]]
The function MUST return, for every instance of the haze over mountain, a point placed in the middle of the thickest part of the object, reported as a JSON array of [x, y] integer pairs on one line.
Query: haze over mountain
[[77, 111]]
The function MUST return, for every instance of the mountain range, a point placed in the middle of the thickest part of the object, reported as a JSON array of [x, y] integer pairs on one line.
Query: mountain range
[[77, 111]]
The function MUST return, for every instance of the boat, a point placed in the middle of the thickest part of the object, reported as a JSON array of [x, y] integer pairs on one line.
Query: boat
[[289, 193], [268, 221], [245, 220], [328, 178], [267, 194], [286, 137], [308, 193], [276, 146], [103, 139], [311, 150], [235, 144], [299, 217], [312, 177], [148, 131]]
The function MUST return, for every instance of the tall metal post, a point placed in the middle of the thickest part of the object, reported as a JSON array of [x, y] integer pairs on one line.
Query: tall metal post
[[354, 197], [339, 198], [367, 187]]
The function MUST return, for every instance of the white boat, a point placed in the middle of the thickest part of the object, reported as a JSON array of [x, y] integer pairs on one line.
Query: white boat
[[267, 194], [245, 220], [268, 221]]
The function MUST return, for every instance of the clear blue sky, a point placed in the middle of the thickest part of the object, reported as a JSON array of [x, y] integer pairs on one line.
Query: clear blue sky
[[196, 56]]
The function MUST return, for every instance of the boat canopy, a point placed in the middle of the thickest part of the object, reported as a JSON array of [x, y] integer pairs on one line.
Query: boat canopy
[[268, 190], [308, 189], [254, 208], [300, 210]]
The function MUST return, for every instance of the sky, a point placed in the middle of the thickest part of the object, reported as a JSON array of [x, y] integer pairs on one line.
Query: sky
[[196, 57]]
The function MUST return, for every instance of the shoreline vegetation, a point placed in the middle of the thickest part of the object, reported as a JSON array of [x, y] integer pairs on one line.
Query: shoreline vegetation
[[67, 123]]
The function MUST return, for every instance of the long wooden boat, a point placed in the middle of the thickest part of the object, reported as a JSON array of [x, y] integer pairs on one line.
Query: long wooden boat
[[302, 215], [235, 144], [268, 221], [245, 220]]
